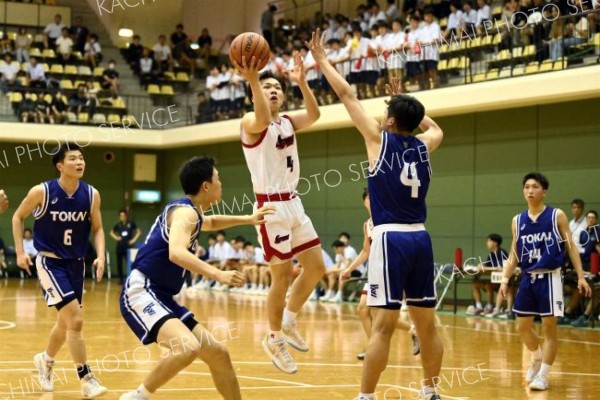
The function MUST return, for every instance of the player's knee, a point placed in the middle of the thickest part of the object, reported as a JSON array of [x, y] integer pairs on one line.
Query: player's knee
[[75, 324], [386, 328]]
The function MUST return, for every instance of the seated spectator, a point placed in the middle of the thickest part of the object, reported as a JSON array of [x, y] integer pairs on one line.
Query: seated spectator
[[22, 45], [36, 74], [589, 239], [204, 45], [59, 108], [9, 71], [469, 20], [64, 48], [6, 45], [203, 110], [579, 223], [149, 71], [42, 110], [222, 253], [28, 248], [484, 13], [79, 34], [178, 36], [92, 51], [187, 56], [27, 108], [134, 53], [332, 274], [577, 33], [53, 31], [494, 262], [110, 79], [82, 101], [454, 20], [163, 54]]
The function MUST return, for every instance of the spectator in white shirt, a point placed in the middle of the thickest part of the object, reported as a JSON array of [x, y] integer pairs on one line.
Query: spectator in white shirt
[[394, 56], [22, 45], [163, 55], [376, 15], [349, 251], [392, 11], [484, 13], [454, 22], [469, 20], [429, 37], [212, 85], [28, 244], [413, 53], [9, 71], [64, 47], [222, 253], [238, 85], [148, 71], [53, 31], [579, 223], [36, 74], [92, 51]]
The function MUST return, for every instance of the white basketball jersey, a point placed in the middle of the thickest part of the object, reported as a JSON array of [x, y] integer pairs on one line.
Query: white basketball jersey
[[273, 159]]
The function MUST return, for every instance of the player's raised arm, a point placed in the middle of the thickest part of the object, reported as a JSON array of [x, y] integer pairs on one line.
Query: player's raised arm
[[220, 222], [367, 126], [254, 122], [565, 233], [34, 199], [432, 134], [98, 232], [312, 113], [511, 263]]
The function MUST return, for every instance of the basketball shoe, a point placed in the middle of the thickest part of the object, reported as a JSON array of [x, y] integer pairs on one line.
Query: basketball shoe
[[90, 387], [45, 370], [294, 338], [279, 354], [534, 368], [132, 396], [540, 382]]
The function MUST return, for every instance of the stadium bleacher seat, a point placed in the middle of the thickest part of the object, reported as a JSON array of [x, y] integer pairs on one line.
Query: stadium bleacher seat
[[113, 119], [66, 84], [167, 90], [99, 118], [71, 70], [153, 89], [532, 68]]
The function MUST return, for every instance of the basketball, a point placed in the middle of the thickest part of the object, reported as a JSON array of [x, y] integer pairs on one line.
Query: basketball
[[250, 44]]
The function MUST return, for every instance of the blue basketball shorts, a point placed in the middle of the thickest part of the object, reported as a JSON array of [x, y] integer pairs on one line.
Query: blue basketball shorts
[[540, 294], [401, 264], [146, 308], [61, 280]]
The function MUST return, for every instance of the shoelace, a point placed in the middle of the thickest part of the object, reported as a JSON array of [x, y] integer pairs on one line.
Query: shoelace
[[281, 349], [49, 367]]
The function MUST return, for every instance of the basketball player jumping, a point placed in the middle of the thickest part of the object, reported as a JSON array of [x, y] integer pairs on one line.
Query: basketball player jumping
[[401, 259], [158, 274], [270, 149], [65, 210], [541, 235]]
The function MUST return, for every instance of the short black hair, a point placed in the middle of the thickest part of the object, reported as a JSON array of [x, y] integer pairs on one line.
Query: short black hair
[[59, 152], [137, 37], [407, 111], [338, 243], [123, 211], [246, 244], [27, 230], [268, 75], [194, 172], [179, 26], [578, 202], [344, 234], [365, 193], [592, 212], [494, 237], [536, 176], [221, 232], [212, 236], [239, 239]]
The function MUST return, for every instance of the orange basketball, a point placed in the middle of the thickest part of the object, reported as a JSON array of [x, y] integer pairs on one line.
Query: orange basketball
[[250, 44]]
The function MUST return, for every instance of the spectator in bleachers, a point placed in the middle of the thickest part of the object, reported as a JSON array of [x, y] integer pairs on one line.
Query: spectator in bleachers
[[413, 53], [392, 12], [222, 253], [429, 37], [187, 56], [36, 74], [28, 246], [454, 21], [395, 60], [27, 108], [92, 51], [59, 108], [579, 223], [203, 110], [110, 79], [79, 34], [9, 71], [134, 53], [82, 101], [149, 71], [42, 110], [53, 31], [212, 85], [224, 91], [178, 36], [6, 45], [484, 13], [267, 23], [469, 21], [163, 54], [204, 45], [238, 94], [511, 32], [376, 14], [577, 32], [557, 31], [64, 48], [590, 239], [22, 45]]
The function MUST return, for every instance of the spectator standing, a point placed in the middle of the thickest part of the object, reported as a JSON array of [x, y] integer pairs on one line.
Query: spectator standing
[[148, 69], [203, 110], [429, 37], [79, 34], [392, 12], [64, 47], [590, 239], [110, 79], [578, 224], [163, 54], [267, 23], [134, 53], [125, 233], [178, 36], [376, 14], [22, 45], [53, 31]]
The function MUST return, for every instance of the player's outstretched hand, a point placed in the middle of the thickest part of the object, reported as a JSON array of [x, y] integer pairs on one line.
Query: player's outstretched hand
[[247, 70], [394, 87], [231, 278], [317, 46], [258, 218], [24, 262], [584, 288], [99, 265], [296, 73], [3, 201]]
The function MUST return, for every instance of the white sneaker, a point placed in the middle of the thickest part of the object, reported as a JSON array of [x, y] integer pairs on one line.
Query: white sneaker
[[44, 369], [90, 387], [280, 356], [314, 296], [540, 382], [534, 368], [132, 396], [294, 338], [337, 298], [327, 296]]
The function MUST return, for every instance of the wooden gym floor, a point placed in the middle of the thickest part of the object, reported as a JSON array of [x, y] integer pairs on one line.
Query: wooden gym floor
[[483, 358]]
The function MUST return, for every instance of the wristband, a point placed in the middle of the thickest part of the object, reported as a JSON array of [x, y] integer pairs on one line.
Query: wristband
[[505, 280]]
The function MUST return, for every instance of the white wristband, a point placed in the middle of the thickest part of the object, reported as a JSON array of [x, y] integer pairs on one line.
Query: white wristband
[[505, 279]]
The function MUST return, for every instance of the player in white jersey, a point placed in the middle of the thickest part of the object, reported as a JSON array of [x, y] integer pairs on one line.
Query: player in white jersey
[[270, 149]]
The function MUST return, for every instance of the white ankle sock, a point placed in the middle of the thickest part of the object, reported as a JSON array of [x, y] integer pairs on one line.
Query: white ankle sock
[[536, 354], [478, 305], [545, 369], [288, 317], [47, 358], [275, 336], [366, 396], [143, 391]]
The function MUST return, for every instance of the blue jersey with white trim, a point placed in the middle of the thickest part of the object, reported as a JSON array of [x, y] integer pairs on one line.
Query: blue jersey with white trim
[[539, 244], [399, 181], [63, 223], [153, 257]]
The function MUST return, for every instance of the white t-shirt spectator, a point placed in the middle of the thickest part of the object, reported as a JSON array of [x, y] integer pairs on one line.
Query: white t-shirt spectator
[[339, 33], [223, 252], [64, 45], [454, 19], [259, 255], [483, 13], [29, 248], [351, 255], [145, 65], [210, 82], [239, 92], [392, 12], [36, 72], [54, 31], [429, 36], [237, 254], [309, 67], [211, 252], [92, 48], [327, 259], [577, 226], [343, 67], [224, 93], [162, 52], [470, 17], [412, 38], [396, 58], [9, 71], [379, 17], [582, 25]]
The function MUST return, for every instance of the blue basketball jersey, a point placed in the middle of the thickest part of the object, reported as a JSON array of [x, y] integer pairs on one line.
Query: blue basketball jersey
[[539, 244], [62, 222], [399, 181], [153, 257]]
